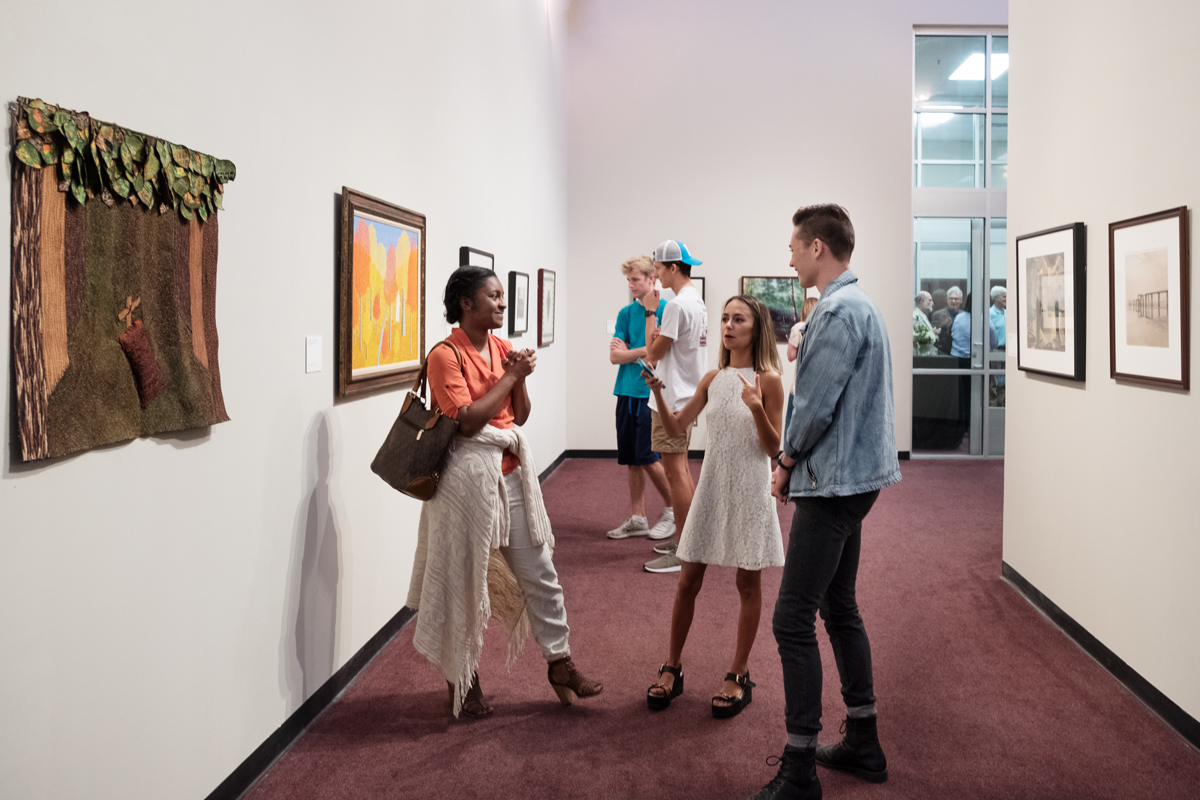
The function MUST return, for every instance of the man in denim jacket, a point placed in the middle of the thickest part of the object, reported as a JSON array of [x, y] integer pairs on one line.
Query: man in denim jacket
[[838, 451]]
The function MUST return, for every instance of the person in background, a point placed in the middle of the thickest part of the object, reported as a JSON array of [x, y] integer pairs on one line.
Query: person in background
[[633, 407], [679, 353], [838, 453], [943, 318], [997, 314], [484, 541], [795, 337], [961, 332], [924, 334], [999, 325]]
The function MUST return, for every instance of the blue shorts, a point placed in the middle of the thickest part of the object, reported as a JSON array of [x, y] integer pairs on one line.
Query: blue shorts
[[633, 432]]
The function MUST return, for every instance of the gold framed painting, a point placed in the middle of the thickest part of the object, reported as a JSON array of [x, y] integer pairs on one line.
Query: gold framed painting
[[381, 294]]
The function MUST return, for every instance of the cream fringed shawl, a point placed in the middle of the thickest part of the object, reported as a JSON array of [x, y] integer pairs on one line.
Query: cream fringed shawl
[[459, 578]]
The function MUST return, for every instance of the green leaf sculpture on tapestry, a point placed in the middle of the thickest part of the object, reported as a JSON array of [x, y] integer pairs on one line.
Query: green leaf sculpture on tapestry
[[145, 170]]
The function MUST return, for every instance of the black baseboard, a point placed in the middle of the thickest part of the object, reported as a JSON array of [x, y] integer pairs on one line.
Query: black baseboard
[[1184, 724], [612, 454], [258, 762], [904, 455]]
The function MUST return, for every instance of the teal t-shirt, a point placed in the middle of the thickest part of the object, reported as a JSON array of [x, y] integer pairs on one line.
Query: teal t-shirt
[[631, 329]]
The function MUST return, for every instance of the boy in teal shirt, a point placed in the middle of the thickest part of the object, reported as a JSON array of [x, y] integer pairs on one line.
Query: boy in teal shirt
[[633, 412]]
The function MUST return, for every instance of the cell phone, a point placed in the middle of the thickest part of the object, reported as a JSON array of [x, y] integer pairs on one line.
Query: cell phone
[[648, 369]]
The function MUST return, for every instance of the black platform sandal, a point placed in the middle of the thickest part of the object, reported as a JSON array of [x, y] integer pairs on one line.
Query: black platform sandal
[[657, 702], [735, 704]]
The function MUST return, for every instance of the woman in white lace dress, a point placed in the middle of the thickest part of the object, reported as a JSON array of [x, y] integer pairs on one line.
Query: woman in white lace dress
[[733, 521]]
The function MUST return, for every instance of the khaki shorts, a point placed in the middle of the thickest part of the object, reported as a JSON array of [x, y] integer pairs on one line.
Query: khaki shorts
[[661, 443]]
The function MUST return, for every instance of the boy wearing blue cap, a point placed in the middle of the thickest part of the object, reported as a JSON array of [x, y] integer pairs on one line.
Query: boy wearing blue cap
[[679, 351]]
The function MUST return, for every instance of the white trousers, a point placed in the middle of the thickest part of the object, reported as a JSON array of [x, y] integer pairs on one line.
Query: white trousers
[[534, 570]]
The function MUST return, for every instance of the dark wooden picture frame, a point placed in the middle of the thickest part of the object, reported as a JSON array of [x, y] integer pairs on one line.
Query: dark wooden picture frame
[[783, 303], [1051, 280], [469, 256], [546, 304], [518, 303], [1150, 343], [698, 282], [384, 306]]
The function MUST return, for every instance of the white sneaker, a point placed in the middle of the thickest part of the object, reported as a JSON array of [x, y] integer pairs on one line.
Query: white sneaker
[[665, 563], [665, 527], [634, 526], [666, 548]]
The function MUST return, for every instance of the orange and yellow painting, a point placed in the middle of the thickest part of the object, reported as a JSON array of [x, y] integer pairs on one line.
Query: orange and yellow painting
[[386, 296]]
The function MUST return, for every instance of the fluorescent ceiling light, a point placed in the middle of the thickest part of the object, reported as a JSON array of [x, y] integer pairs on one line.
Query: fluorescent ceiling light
[[972, 68], [929, 120]]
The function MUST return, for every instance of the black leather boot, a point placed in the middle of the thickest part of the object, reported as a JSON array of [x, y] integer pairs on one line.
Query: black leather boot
[[796, 779], [858, 752]]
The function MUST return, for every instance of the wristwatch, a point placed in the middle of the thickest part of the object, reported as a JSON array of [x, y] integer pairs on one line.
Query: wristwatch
[[779, 461], [650, 313]]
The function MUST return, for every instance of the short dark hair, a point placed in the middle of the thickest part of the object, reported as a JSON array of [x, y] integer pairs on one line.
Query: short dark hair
[[463, 284], [831, 224], [684, 269]]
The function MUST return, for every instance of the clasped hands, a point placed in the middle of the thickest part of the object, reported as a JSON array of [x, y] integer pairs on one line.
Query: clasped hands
[[520, 363]]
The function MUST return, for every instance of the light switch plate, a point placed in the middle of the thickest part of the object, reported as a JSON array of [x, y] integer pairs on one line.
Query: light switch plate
[[312, 353], [612, 326]]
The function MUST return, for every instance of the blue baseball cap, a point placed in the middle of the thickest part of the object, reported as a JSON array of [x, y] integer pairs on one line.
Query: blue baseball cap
[[671, 250]]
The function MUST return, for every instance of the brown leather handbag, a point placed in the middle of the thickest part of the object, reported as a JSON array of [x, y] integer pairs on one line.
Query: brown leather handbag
[[415, 450]]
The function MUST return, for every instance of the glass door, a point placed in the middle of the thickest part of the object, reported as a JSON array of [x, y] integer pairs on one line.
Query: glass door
[[959, 327]]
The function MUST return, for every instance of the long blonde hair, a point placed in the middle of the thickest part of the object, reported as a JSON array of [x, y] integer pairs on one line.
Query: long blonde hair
[[809, 304], [764, 355]]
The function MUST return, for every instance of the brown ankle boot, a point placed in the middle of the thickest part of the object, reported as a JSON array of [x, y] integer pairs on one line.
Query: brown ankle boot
[[568, 682]]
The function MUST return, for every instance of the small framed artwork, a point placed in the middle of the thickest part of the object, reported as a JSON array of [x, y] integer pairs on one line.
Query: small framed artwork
[[1051, 308], [381, 294], [518, 303], [470, 257], [784, 297], [698, 282], [1149, 317], [545, 317]]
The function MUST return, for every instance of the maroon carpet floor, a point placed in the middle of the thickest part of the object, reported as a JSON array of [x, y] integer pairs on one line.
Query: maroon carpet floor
[[979, 695]]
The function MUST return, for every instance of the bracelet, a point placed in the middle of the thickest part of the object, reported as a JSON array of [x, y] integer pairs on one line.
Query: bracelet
[[779, 461]]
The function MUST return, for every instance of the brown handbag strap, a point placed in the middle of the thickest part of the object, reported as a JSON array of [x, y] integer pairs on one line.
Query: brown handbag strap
[[422, 376]]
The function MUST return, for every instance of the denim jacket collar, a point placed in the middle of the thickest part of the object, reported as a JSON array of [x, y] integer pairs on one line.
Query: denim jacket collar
[[845, 279]]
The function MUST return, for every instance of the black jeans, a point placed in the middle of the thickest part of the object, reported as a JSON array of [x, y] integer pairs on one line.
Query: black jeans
[[820, 574]]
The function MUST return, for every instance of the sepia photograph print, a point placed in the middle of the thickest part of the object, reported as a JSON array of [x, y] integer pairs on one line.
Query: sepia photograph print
[[1047, 302], [1149, 265], [1051, 301], [1147, 300]]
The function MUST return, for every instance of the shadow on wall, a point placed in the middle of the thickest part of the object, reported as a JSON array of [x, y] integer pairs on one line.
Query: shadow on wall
[[310, 623]]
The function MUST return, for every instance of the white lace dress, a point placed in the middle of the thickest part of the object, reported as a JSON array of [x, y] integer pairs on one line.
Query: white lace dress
[[732, 521]]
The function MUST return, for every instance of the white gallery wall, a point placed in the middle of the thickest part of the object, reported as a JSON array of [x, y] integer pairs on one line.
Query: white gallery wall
[[165, 604], [712, 123], [1100, 509]]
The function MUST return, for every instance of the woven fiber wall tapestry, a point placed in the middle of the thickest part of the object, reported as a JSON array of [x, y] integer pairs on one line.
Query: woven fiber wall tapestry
[[114, 269]]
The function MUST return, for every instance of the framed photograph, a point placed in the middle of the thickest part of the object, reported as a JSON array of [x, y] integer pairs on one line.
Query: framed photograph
[[518, 303], [545, 317], [470, 257], [783, 297], [381, 294], [698, 282], [1149, 317], [1051, 302]]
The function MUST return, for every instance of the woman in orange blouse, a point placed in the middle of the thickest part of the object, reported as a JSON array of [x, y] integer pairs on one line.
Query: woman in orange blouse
[[487, 395]]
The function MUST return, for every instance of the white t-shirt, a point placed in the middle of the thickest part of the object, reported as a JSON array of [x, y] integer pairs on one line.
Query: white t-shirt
[[795, 337], [685, 320]]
